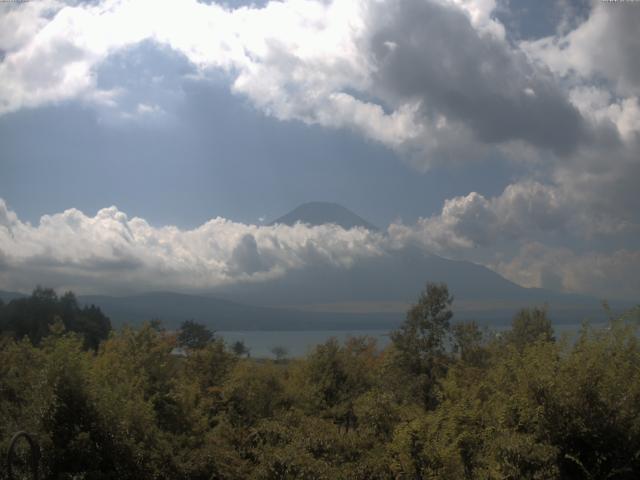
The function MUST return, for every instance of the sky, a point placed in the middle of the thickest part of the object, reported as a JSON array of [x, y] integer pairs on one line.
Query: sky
[[146, 145]]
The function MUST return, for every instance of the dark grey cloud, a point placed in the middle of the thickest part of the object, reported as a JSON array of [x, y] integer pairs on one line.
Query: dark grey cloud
[[624, 58], [431, 52], [4, 261]]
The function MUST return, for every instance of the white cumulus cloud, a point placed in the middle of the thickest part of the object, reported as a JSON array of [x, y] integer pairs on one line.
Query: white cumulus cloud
[[110, 251], [436, 80]]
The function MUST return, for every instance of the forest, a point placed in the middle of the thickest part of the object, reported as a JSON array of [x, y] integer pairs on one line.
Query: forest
[[444, 400]]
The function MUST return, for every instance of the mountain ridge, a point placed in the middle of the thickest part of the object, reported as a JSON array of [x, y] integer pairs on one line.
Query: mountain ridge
[[322, 213], [223, 314]]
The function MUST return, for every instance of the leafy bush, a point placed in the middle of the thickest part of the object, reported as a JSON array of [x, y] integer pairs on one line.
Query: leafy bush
[[442, 401]]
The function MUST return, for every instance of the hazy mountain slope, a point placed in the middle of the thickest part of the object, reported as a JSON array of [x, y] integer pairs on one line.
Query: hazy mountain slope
[[373, 292], [8, 296], [320, 213], [398, 277], [173, 308]]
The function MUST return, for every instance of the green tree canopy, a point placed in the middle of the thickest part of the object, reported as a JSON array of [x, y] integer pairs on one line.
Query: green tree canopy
[[239, 348], [425, 407], [421, 342], [194, 335], [32, 317], [530, 325]]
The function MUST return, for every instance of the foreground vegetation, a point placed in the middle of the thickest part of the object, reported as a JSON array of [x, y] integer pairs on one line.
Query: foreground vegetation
[[444, 400]]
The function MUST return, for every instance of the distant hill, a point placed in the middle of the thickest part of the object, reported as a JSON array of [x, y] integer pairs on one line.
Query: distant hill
[[8, 296], [321, 213], [173, 308], [390, 282]]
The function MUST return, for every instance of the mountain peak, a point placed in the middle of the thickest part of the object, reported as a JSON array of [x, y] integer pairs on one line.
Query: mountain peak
[[321, 213]]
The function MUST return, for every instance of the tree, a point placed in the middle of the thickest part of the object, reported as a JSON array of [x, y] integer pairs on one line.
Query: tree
[[333, 376], [94, 325], [467, 342], [420, 343], [32, 317], [240, 349], [194, 335], [253, 391], [530, 325], [279, 352], [157, 325]]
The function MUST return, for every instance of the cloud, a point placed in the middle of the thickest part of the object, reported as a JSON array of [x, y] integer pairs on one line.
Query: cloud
[[8, 218], [609, 275], [600, 106], [601, 185], [597, 63], [522, 211], [245, 257], [436, 80], [112, 252], [19, 25], [605, 46], [458, 74]]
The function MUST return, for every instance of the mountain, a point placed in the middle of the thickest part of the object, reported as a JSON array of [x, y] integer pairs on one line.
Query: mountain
[[372, 293], [173, 308], [389, 283], [6, 297], [321, 213]]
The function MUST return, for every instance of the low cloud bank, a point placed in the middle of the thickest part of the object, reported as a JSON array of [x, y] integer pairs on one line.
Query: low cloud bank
[[112, 253]]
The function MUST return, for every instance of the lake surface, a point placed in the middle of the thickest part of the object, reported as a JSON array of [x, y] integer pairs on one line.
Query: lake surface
[[299, 343]]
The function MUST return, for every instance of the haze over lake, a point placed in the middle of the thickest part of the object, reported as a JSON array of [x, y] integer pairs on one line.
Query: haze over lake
[[300, 343]]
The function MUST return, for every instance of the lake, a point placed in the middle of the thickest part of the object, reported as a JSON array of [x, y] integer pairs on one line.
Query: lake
[[299, 343]]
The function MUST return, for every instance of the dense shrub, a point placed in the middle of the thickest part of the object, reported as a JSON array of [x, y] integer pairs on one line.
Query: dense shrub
[[442, 401]]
